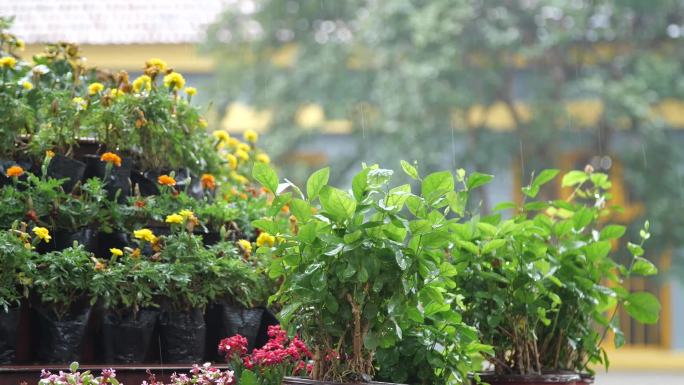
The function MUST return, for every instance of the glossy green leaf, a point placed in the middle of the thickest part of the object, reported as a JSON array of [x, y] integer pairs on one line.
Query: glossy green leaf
[[477, 179], [437, 184], [643, 307], [612, 232], [574, 178], [316, 182], [337, 203], [644, 267], [410, 170], [265, 175]]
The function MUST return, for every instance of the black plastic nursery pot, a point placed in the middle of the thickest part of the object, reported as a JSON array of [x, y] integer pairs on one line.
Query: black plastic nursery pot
[[60, 339], [127, 336], [306, 381], [531, 379], [115, 239], [85, 236], [183, 336], [238, 320], [144, 183], [119, 179], [63, 167], [9, 323]]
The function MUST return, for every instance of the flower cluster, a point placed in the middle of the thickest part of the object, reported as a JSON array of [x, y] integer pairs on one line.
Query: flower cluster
[[205, 375], [74, 377], [233, 346], [279, 357]]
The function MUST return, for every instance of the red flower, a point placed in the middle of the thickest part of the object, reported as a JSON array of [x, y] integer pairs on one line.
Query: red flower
[[235, 345]]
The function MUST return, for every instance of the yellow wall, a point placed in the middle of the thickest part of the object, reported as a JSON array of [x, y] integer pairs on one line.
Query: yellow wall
[[132, 57]]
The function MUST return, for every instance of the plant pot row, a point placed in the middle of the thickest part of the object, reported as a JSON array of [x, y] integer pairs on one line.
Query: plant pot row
[[120, 180], [34, 333]]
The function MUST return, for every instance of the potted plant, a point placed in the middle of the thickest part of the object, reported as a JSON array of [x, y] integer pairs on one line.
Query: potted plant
[[242, 290], [81, 214], [537, 284], [61, 285], [15, 256], [183, 258], [361, 273], [127, 286]]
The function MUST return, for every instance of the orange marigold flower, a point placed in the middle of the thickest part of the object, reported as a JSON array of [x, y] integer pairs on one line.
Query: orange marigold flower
[[208, 181], [15, 171], [166, 180], [140, 203], [111, 157]]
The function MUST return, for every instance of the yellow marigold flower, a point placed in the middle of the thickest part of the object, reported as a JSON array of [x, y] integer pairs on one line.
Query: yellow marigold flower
[[142, 82], [8, 62], [115, 93], [145, 235], [263, 158], [265, 239], [191, 91], [242, 155], [49, 154], [174, 218], [232, 161], [251, 136], [99, 266], [95, 88], [174, 81], [111, 157], [245, 245], [232, 142], [208, 181], [244, 147], [80, 103], [116, 252], [166, 180], [186, 213], [203, 123], [221, 135], [136, 253], [42, 233], [240, 179], [15, 171], [28, 86], [155, 62]]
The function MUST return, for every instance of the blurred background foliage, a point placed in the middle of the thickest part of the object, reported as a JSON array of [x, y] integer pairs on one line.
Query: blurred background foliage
[[516, 85]]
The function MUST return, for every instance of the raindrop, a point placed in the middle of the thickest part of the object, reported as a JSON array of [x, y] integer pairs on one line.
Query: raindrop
[[643, 152]]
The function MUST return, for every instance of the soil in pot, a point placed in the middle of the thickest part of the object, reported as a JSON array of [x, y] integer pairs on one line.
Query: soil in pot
[[9, 323], [127, 337], [238, 320], [119, 179], [305, 381], [85, 236], [182, 335], [62, 167], [530, 379], [60, 339]]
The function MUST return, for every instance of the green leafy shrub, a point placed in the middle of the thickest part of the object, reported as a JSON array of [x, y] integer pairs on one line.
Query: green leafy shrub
[[15, 258], [542, 287], [362, 273], [63, 278]]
